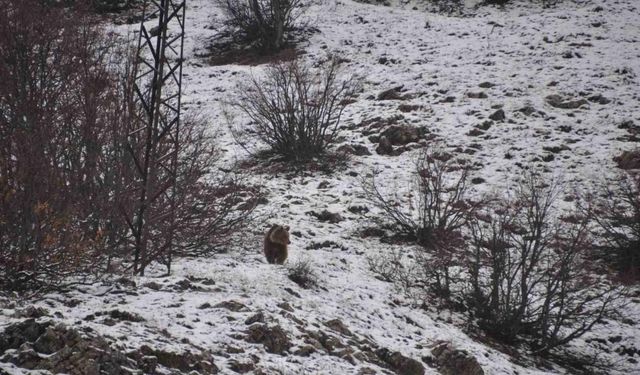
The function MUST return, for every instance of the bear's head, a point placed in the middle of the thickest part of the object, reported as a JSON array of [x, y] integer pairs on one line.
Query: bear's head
[[280, 235]]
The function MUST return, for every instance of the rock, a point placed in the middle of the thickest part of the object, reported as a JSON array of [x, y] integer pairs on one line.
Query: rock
[[285, 306], [184, 285], [338, 326], [292, 292], [153, 285], [384, 147], [125, 316], [477, 95], [354, 149], [361, 150], [31, 312], [126, 282], [148, 364], [366, 371], [17, 334], [486, 85], [358, 209], [528, 110], [185, 362], [49, 342], [558, 102], [448, 99], [58, 349], [571, 54], [330, 342], [598, 98], [403, 134], [394, 93], [498, 115], [486, 125], [400, 364], [628, 160], [241, 367], [325, 215], [273, 338], [255, 318], [315, 343], [232, 305], [452, 361], [405, 108], [305, 350], [556, 149]]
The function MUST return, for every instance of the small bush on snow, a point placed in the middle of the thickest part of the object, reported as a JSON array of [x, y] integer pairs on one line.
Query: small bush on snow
[[294, 110], [302, 273]]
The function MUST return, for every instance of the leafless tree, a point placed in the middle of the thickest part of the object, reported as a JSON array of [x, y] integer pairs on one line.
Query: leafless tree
[[617, 213], [294, 110], [213, 205], [54, 110], [435, 215], [265, 22], [65, 171], [529, 269]]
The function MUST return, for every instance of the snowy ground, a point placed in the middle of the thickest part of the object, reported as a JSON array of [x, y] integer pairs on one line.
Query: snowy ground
[[526, 52]]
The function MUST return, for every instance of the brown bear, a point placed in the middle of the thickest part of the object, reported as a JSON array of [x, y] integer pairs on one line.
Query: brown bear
[[275, 244]]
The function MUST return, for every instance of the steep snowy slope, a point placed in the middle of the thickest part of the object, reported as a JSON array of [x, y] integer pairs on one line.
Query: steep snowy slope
[[455, 72]]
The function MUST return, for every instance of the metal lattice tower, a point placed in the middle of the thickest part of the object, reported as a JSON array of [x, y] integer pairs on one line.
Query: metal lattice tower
[[153, 137]]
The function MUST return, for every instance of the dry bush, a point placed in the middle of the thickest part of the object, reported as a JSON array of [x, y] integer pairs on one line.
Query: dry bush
[[263, 22], [529, 273], [434, 217], [214, 206], [617, 214], [294, 111], [55, 136], [65, 169], [301, 272], [112, 5], [520, 264]]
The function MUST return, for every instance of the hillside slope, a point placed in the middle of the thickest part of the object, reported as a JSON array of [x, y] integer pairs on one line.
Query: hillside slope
[[516, 57]]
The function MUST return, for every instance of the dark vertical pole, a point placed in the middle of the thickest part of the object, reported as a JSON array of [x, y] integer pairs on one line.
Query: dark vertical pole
[[154, 138]]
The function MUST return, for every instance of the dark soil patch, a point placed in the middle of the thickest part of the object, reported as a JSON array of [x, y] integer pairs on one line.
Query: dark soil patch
[[253, 57]]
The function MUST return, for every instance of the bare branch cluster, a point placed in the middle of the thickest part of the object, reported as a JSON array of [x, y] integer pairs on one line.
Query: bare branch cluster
[[439, 209], [519, 263], [530, 269], [264, 22], [294, 111], [617, 214], [65, 168]]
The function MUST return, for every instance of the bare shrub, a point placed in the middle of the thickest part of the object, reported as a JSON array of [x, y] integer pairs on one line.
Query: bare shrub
[[433, 217], [529, 270], [520, 263], [214, 206], [263, 22], [65, 171], [211, 205], [111, 5], [617, 213], [301, 272], [387, 266], [55, 136], [294, 111]]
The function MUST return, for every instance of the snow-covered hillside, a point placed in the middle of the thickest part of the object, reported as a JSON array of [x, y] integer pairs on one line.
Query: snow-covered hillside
[[454, 73]]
